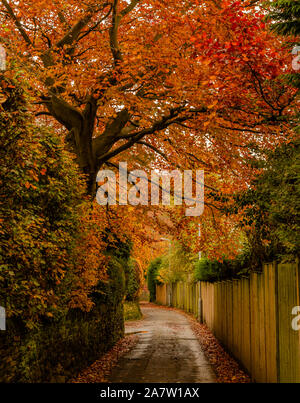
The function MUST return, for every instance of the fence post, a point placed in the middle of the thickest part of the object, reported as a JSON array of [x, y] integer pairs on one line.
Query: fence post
[[169, 296]]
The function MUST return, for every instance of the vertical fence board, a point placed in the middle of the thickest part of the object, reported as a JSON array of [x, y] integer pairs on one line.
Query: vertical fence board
[[289, 348], [230, 317], [246, 332], [240, 323], [253, 299], [270, 323], [262, 330], [234, 317]]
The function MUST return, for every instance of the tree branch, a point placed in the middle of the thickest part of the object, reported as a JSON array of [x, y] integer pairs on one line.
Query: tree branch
[[17, 22], [43, 114], [129, 8], [107, 139], [73, 33], [95, 26], [162, 124], [113, 34], [65, 113], [153, 148]]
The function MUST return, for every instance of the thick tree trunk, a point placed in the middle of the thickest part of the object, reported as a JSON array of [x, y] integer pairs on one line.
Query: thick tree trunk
[[80, 137], [81, 125]]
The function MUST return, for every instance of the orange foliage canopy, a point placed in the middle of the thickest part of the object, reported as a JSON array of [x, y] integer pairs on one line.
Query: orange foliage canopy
[[164, 84]]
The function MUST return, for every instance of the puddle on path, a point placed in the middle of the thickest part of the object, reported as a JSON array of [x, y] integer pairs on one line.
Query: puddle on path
[[137, 332]]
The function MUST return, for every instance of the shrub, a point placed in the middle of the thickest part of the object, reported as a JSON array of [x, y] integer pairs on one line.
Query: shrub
[[213, 270], [152, 277], [133, 280], [271, 207], [41, 192], [177, 265], [50, 253], [206, 270]]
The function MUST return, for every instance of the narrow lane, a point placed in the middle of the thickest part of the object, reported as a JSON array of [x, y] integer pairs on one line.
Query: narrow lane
[[167, 351]]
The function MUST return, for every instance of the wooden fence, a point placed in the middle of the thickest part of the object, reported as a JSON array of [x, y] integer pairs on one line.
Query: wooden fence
[[252, 317]]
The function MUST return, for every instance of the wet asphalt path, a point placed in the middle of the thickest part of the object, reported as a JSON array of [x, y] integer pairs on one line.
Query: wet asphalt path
[[167, 351]]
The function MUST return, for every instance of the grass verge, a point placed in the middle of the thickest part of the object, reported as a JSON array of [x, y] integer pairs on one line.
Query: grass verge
[[132, 311]]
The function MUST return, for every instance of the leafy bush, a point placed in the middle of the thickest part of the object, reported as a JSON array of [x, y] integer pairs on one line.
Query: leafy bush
[[207, 270], [213, 270], [272, 207], [133, 280], [50, 257], [57, 350], [152, 277], [177, 264], [41, 192]]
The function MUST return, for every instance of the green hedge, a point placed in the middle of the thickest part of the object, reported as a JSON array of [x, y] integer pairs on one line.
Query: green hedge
[[133, 280], [213, 270], [58, 350], [45, 341], [151, 277]]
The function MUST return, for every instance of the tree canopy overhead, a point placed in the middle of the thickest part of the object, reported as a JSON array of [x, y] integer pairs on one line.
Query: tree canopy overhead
[[159, 84], [117, 73]]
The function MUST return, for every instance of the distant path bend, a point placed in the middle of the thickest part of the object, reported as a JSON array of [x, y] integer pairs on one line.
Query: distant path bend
[[167, 351]]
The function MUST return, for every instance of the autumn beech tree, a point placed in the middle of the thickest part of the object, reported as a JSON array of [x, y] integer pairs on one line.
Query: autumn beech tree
[[195, 82]]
